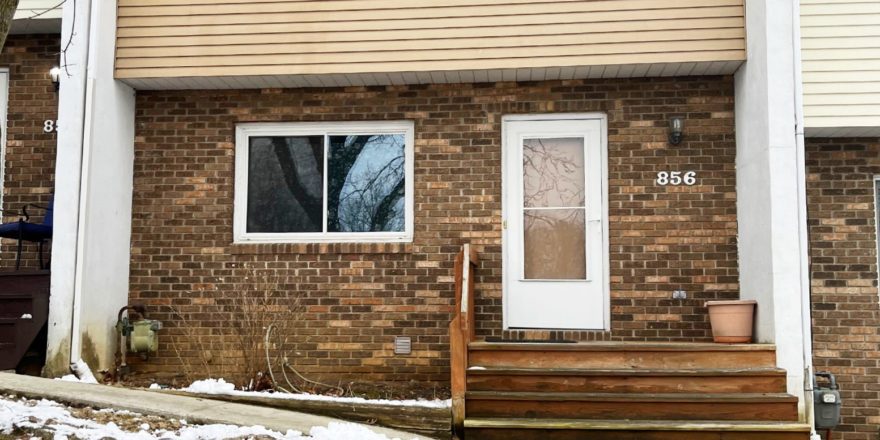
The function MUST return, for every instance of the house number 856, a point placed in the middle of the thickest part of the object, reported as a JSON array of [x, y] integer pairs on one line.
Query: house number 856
[[676, 178]]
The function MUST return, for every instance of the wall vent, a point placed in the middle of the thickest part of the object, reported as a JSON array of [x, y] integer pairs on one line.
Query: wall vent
[[402, 345]]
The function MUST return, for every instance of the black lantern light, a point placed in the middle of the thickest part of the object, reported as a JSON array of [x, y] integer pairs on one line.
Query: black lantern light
[[55, 74], [676, 130]]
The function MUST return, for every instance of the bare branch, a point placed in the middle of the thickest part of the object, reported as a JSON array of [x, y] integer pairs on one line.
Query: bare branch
[[7, 12]]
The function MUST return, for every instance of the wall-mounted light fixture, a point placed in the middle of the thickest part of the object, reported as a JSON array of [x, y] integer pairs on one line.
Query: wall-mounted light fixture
[[676, 130], [55, 74]]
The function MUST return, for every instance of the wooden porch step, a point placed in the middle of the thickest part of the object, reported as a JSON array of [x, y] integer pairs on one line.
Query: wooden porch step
[[621, 355], [729, 380], [670, 406], [567, 429]]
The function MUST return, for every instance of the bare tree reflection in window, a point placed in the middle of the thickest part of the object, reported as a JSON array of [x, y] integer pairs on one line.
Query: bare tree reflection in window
[[285, 184], [554, 239], [366, 183], [553, 172]]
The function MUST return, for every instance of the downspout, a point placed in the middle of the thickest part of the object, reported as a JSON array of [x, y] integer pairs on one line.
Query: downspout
[[88, 90], [803, 233]]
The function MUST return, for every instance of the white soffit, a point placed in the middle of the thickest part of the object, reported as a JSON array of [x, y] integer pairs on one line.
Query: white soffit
[[437, 77], [842, 131], [37, 17]]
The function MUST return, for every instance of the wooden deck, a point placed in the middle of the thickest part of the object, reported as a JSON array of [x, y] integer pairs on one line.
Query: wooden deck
[[613, 390]]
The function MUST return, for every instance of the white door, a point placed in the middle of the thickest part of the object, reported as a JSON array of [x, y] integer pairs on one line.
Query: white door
[[555, 250]]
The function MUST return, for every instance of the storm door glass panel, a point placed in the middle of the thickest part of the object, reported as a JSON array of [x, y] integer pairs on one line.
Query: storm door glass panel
[[285, 184], [554, 209], [366, 183]]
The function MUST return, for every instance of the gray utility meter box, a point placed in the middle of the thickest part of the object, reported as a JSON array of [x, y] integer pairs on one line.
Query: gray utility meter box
[[826, 402]]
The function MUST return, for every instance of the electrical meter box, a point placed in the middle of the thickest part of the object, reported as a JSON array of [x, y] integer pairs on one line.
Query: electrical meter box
[[826, 402]]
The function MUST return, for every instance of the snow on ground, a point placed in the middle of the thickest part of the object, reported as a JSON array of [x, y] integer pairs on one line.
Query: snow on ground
[[23, 417], [83, 373], [220, 386]]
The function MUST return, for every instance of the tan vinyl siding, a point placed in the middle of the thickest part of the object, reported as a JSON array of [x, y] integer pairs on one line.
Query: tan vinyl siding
[[841, 64], [203, 38]]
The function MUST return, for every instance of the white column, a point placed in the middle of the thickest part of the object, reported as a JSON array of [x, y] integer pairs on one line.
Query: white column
[[95, 160], [68, 164], [772, 229]]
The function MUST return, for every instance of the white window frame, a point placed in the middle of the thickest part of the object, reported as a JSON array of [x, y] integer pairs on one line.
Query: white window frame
[[245, 130]]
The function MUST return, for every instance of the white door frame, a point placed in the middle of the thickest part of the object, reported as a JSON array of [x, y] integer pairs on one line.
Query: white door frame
[[506, 210], [4, 126]]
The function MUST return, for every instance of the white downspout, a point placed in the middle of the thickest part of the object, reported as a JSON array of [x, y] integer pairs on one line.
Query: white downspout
[[803, 233], [85, 159]]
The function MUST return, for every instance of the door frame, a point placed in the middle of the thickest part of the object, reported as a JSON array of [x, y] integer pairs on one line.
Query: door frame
[[506, 265], [4, 127]]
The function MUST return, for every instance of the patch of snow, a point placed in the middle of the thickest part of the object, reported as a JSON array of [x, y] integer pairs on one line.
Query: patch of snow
[[119, 412], [68, 378], [345, 431], [199, 432], [52, 416], [210, 386], [221, 387], [155, 386], [83, 372]]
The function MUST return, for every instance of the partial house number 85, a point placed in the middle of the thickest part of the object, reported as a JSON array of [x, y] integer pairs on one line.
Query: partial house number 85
[[676, 178], [50, 126]]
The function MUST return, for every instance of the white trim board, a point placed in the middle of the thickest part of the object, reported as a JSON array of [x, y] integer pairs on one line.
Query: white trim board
[[4, 118], [877, 226]]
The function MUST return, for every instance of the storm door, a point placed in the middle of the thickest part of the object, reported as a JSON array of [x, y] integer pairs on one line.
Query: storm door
[[555, 223]]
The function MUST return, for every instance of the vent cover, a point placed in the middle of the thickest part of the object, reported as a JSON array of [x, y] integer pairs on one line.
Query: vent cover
[[402, 345]]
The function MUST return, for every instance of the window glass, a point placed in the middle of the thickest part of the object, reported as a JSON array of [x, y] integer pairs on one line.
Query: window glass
[[555, 244], [553, 172], [366, 183], [285, 184]]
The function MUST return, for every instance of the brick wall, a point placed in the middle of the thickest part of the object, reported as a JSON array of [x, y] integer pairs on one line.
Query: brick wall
[[358, 297], [843, 256], [29, 169]]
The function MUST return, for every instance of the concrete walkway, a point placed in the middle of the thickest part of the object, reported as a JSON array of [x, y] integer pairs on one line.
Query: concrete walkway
[[192, 409]]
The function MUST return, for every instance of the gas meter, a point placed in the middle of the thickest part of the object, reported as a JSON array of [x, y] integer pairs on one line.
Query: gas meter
[[826, 402], [142, 334]]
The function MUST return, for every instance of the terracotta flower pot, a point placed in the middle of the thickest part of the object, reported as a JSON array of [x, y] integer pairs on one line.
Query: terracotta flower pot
[[732, 320]]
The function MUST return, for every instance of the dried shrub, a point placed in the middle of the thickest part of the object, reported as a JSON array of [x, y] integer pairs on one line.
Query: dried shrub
[[228, 339]]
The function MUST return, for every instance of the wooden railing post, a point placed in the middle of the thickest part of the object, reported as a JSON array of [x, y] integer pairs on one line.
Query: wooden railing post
[[461, 332]]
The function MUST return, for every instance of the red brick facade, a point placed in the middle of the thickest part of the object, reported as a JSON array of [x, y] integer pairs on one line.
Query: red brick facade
[[843, 257], [29, 169], [358, 297]]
